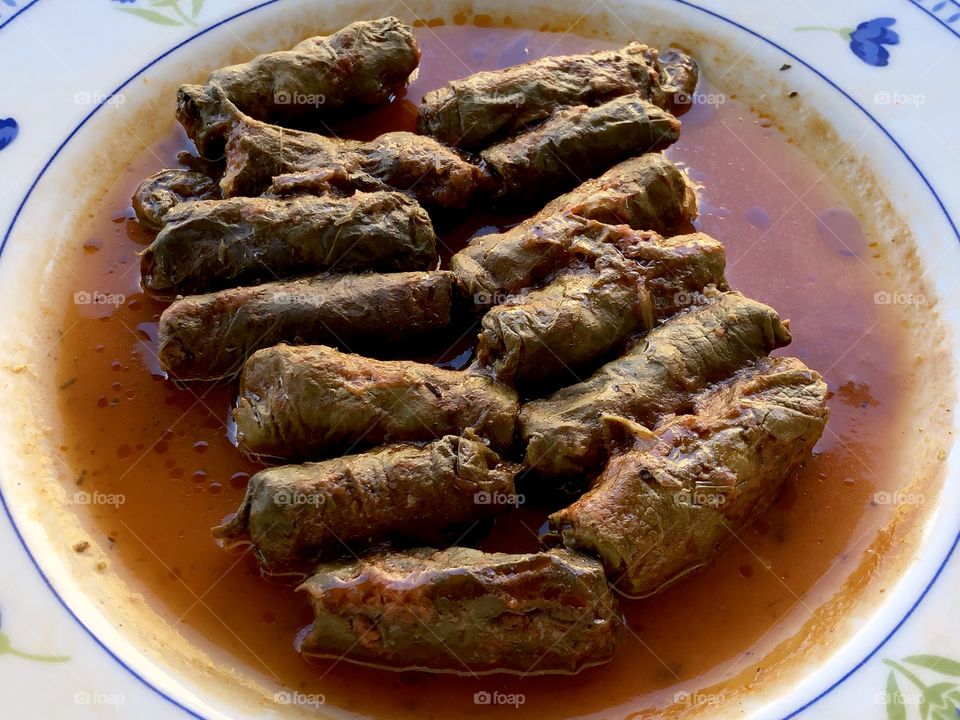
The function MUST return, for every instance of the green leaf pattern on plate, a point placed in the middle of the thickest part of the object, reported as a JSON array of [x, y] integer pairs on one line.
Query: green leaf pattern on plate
[[937, 700], [896, 708], [6, 648], [167, 12]]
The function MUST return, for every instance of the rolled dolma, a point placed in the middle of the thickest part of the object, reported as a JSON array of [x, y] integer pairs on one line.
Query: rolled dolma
[[435, 175], [493, 268], [544, 337], [464, 611], [659, 375], [212, 244], [364, 64], [470, 112], [547, 336], [298, 514], [663, 508], [314, 401], [647, 193], [165, 189], [577, 143], [675, 269], [208, 337], [326, 180], [679, 79]]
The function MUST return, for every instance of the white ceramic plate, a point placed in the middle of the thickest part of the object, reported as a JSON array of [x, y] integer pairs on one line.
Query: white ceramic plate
[[882, 72]]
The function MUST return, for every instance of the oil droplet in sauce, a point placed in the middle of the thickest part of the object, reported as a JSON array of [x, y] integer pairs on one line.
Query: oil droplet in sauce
[[791, 254], [841, 232]]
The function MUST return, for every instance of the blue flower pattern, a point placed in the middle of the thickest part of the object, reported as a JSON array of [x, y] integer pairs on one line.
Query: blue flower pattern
[[8, 3], [8, 131], [868, 39]]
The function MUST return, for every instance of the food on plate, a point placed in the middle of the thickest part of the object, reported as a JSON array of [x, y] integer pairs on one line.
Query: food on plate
[[471, 112], [663, 508], [323, 180], [645, 193], [675, 269], [315, 401], [659, 375], [577, 143], [365, 64], [465, 611], [212, 244], [158, 193], [257, 152], [679, 81], [295, 515], [585, 313], [208, 337], [493, 268], [549, 335], [615, 375]]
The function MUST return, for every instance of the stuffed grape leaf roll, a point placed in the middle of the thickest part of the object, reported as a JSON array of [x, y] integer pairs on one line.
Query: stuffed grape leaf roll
[[646, 193], [208, 337], [471, 112], [659, 375], [163, 190], [314, 401], [464, 611], [662, 509], [295, 515], [257, 152], [212, 244], [575, 144], [550, 335], [675, 269], [365, 64]]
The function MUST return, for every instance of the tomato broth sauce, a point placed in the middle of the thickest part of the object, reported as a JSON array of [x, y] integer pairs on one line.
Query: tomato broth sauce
[[164, 451]]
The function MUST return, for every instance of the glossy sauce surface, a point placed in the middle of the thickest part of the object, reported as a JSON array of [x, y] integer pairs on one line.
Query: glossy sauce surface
[[791, 242]]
